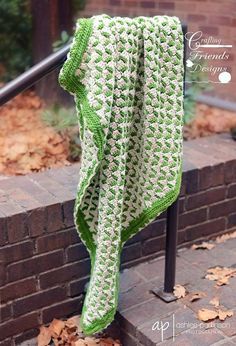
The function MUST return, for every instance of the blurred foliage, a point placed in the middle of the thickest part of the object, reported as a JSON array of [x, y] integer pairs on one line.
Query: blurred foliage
[[197, 83], [15, 37], [78, 5], [64, 39], [65, 122]]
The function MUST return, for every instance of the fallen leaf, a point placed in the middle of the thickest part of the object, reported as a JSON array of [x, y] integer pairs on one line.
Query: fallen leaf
[[56, 327], [220, 274], [44, 336], [80, 342], [179, 291], [195, 296], [206, 314], [90, 341], [73, 321], [106, 342], [224, 237], [215, 302], [204, 245], [223, 314]]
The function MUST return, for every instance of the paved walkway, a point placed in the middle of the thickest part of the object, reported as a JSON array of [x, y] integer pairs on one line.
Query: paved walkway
[[140, 310], [176, 322]]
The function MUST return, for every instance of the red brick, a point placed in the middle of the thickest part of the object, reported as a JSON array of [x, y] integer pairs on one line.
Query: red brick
[[221, 20], [153, 245], [3, 275], [211, 176], [18, 325], [26, 336], [18, 289], [196, 18], [63, 309], [77, 287], [230, 171], [131, 252], [54, 218], [35, 265], [38, 300], [166, 5], [68, 209], [12, 253], [5, 312], [147, 4], [206, 197], [222, 209], [181, 205], [231, 220], [68, 272], [55, 240], [7, 342], [36, 222], [205, 229], [17, 227], [76, 252], [192, 217], [3, 228], [115, 2], [154, 229], [192, 181], [209, 30]]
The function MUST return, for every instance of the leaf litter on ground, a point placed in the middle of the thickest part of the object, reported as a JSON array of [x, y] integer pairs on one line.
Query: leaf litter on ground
[[220, 274], [69, 333], [204, 245], [209, 245], [206, 315], [26, 143]]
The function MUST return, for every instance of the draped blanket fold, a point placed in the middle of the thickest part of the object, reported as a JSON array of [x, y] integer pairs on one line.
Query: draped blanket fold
[[126, 75]]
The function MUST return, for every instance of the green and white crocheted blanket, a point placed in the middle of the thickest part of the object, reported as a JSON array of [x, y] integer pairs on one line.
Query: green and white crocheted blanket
[[126, 76]]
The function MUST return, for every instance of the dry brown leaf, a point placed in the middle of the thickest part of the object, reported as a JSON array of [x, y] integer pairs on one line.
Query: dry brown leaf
[[203, 246], [80, 342], [91, 341], [73, 321], [223, 314], [26, 143], [206, 314], [179, 291], [224, 237], [195, 296], [209, 120], [220, 274], [106, 342], [215, 302], [44, 336], [56, 327]]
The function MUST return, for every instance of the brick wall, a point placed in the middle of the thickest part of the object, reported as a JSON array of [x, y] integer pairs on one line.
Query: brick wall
[[43, 264], [215, 18]]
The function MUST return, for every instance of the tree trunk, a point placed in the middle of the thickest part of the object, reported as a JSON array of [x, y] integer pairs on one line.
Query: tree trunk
[[49, 19]]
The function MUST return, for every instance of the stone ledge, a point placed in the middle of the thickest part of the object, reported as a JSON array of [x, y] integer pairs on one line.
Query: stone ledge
[[40, 249]]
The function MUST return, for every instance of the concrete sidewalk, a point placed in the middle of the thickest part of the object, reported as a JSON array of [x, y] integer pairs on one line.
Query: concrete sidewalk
[[176, 323]]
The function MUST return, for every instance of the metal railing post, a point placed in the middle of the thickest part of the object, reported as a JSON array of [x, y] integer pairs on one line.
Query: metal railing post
[[172, 218]]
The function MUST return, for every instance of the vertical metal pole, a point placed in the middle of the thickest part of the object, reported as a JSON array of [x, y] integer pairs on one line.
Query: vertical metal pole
[[166, 292], [171, 246]]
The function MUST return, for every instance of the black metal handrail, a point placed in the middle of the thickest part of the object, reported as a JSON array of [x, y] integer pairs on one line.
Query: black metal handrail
[[33, 75]]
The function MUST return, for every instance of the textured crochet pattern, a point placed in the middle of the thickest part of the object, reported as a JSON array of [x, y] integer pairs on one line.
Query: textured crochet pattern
[[126, 76]]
